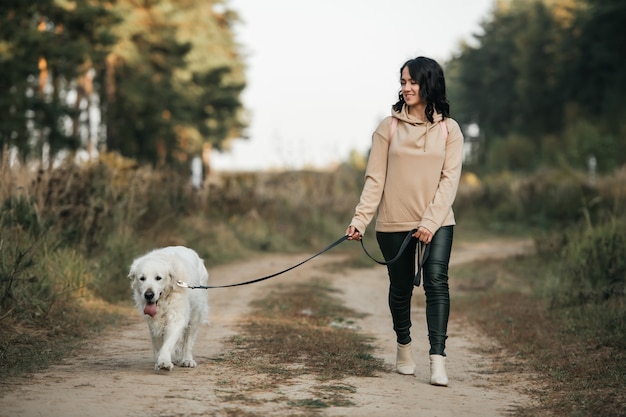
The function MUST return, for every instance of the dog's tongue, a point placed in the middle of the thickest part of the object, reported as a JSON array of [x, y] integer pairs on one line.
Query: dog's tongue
[[150, 309]]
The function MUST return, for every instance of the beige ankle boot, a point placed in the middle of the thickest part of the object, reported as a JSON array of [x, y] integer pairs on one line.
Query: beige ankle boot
[[404, 360], [438, 374]]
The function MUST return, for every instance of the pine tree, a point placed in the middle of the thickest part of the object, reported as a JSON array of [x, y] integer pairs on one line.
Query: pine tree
[[47, 47]]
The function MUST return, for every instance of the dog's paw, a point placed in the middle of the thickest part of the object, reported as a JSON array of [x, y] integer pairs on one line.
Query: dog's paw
[[188, 363], [163, 364]]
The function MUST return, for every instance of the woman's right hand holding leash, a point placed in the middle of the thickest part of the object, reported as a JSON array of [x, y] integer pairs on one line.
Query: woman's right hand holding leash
[[353, 233]]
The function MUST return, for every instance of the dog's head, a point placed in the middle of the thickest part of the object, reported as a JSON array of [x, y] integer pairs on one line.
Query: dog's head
[[152, 279]]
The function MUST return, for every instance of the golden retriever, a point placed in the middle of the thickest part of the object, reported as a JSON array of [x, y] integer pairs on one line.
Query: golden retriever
[[174, 314]]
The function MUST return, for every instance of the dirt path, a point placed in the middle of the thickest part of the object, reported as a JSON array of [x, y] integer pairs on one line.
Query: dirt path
[[115, 377]]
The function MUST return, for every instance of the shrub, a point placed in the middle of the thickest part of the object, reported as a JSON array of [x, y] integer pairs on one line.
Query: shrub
[[548, 199], [593, 266], [20, 211], [583, 139], [37, 279], [552, 198]]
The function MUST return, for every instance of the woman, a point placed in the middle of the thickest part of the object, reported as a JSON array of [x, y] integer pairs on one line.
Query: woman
[[411, 181]]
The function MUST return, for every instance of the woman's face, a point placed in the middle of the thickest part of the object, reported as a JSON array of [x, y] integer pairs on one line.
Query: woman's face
[[410, 88]]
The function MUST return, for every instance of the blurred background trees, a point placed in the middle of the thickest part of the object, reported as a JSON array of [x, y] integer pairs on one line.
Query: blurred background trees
[[48, 49], [158, 81], [545, 83]]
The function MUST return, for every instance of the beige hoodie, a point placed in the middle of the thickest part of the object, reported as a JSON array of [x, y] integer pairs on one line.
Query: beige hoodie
[[413, 181]]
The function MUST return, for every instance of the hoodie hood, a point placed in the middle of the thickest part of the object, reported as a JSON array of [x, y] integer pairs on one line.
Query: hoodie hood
[[404, 116], [421, 126]]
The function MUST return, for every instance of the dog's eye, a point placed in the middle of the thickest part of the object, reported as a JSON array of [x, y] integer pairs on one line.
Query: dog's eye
[[142, 278], [158, 278]]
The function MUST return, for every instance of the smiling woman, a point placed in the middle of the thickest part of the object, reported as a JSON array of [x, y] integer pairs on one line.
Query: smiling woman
[[411, 180], [310, 69]]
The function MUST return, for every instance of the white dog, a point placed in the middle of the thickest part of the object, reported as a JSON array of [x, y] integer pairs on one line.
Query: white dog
[[174, 314]]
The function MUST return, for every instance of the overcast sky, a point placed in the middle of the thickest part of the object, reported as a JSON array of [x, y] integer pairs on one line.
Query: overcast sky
[[321, 74]]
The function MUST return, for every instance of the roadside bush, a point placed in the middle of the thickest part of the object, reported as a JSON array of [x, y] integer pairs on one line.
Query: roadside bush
[[20, 211], [109, 267], [583, 139], [593, 266], [553, 198], [38, 280], [295, 209], [547, 200]]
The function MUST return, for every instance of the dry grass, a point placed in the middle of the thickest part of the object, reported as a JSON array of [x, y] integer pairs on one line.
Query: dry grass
[[579, 354], [302, 331], [29, 347]]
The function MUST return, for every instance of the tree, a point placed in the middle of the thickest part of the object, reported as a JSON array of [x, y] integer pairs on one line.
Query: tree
[[173, 80], [46, 46], [594, 75], [542, 67], [142, 101], [164, 74]]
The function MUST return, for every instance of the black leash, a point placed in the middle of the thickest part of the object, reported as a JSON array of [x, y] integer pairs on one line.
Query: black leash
[[405, 243], [423, 250], [206, 287]]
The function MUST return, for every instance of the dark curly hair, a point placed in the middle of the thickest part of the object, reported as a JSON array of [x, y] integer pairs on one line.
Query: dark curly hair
[[428, 74]]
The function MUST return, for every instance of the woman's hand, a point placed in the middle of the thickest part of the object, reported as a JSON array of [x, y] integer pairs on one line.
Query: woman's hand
[[423, 234], [353, 233]]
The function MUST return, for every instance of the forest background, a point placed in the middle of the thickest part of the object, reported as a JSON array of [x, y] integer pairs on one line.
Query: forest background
[[98, 133]]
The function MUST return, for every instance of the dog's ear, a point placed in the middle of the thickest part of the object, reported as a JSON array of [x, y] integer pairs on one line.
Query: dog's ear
[[132, 271], [172, 276]]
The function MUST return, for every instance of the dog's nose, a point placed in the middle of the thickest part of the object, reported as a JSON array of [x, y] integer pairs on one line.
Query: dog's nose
[[148, 295]]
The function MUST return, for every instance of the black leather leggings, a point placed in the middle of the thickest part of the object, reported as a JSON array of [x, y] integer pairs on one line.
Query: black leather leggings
[[435, 281]]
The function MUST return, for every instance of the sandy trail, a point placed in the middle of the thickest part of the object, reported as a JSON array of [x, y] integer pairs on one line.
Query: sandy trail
[[114, 376]]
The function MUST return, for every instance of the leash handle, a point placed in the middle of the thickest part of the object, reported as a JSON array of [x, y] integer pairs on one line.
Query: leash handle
[[405, 243], [423, 251]]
